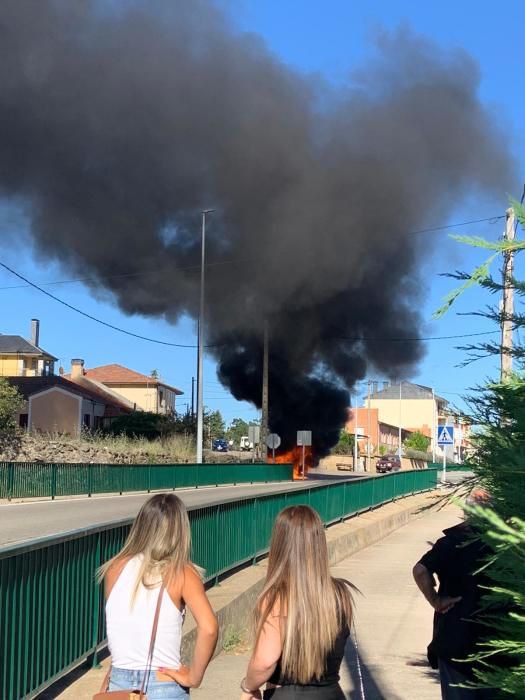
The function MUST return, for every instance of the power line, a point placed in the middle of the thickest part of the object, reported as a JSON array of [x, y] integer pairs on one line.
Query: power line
[[131, 274], [192, 346], [414, 340], [491, 219], [93, 318]]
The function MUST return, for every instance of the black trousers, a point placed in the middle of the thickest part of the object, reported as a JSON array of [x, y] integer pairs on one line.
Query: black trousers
[[450, 677], [308, 692]]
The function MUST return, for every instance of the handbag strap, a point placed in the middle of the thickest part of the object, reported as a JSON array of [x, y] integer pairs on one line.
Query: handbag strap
[[149, 662], [105, 683]]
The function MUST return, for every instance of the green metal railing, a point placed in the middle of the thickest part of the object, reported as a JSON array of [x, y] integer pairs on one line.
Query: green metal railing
[[52, 611], [41, 480], [450, 467]]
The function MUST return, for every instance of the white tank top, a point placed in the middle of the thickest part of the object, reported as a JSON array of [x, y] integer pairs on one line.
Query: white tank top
[[129, 628]]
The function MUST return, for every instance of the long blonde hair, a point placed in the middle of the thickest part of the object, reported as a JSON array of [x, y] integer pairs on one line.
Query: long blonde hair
[[311, 606], [161, 535]]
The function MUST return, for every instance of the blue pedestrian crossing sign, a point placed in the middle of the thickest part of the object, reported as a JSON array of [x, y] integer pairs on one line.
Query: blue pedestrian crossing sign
[[445, 435]]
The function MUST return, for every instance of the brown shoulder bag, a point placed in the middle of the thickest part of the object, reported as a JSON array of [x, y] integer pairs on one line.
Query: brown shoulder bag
[[105, 694]]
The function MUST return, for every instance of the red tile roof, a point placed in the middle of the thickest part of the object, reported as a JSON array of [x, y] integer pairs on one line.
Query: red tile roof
[[28, 386], [117, 374], [109, 397]]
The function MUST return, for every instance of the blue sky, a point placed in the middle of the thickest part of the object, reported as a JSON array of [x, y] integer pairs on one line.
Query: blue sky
[[328, 38]]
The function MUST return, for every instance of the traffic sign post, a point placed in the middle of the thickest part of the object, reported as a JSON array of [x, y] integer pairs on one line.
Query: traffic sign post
[[304, 439], [445, 437], [273, 441], [254, 434]]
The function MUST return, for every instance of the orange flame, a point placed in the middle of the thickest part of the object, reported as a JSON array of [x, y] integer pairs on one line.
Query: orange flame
[[295, 457]]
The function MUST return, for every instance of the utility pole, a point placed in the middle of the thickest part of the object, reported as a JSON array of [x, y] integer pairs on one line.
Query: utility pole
[[399, 430], [434, 426], [357, 466], [508, 299], [200, 349], [368, 445], [264, 403], [193, 397]]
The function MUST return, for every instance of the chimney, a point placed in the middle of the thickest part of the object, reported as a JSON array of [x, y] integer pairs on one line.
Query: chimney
[[35, 331], [77, 368]]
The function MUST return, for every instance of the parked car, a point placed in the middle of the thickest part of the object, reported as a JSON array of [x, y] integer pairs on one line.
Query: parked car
[[219, 445], [388, 463]]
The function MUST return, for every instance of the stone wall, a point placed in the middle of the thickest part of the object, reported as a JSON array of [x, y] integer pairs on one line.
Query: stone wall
[[344, 462]]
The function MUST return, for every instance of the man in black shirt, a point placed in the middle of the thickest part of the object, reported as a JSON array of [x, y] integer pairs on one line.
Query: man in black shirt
[[455, 558]]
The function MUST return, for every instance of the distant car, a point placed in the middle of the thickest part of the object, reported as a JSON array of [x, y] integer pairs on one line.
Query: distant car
[[245, 444], [388, 463], [219, 445]]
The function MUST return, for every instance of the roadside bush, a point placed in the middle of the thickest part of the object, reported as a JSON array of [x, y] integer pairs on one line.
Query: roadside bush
[[417, 441], [499, 464], [345, 446], [142, 424], [11, 402]]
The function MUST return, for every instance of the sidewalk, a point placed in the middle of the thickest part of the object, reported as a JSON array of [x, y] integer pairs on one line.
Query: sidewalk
[[393, 622]]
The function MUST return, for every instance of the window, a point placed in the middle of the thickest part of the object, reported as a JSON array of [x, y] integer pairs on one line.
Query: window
[[23, 420], [87, 420]]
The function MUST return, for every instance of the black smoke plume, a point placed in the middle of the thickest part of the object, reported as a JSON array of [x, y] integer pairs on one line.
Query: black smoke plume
[[120, 121]]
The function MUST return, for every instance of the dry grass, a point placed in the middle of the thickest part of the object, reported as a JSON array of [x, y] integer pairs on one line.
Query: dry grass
[[109, 448], [178, 448]]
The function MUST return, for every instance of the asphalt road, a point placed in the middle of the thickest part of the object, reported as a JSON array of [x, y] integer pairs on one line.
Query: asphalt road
[[20, 522], [26, 521]]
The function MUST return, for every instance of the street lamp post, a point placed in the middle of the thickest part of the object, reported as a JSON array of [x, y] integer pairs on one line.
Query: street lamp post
[[357, 465], [200, 348], [400, 436], [434, 426]]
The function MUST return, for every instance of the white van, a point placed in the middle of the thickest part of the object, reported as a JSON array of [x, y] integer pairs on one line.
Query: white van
[[245, 444]]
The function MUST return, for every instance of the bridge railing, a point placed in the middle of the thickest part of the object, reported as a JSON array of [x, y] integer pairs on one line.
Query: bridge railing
[[52, 610], [450, 467], [41, 480]]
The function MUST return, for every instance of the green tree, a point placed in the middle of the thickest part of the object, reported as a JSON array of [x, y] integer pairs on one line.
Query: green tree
[[498, 409], [142, 424], [237, 428], [10, 403], [214, 426], [345, 446], [499, 464], [417, 441], [185, 424]]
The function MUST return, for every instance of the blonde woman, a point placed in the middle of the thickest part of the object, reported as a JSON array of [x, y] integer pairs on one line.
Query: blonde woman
[[154, 565], [303, 615]]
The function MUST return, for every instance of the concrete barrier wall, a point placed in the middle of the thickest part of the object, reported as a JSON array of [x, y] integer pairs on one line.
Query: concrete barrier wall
[[332, 463]]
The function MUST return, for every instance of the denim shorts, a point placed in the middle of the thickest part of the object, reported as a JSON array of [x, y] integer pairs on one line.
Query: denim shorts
[[122, 679]]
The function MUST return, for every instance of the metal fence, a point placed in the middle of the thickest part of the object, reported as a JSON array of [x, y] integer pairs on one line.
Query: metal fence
[[39, 479], [450, 467], [52, 611]]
